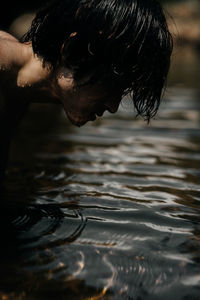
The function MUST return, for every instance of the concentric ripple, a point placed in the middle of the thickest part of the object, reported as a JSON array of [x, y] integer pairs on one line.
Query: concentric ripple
[[39, 226]]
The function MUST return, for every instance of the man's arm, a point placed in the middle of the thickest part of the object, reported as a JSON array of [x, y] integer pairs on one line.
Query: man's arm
[[22, 80]]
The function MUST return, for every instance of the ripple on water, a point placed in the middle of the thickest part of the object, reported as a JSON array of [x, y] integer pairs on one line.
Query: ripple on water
[[108, 211]]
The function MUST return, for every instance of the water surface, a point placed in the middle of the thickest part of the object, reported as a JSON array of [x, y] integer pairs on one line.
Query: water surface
[[107, 211]]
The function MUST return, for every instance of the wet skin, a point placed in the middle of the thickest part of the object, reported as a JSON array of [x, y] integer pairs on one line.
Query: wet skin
[[40, 84], [24, 79], [84, 103]]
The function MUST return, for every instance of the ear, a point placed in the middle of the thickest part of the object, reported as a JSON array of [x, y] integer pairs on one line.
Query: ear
[[65, 78]]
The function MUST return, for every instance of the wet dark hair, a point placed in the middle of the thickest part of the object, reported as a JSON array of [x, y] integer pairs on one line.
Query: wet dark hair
[[124, 43]]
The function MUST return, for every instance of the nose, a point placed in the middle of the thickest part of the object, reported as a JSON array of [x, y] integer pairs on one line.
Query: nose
[[112, 108]]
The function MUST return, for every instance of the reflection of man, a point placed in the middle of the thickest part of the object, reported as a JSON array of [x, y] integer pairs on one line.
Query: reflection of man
[[87, 55]]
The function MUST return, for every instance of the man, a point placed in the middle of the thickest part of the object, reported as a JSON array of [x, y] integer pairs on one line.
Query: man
[[86, 55]]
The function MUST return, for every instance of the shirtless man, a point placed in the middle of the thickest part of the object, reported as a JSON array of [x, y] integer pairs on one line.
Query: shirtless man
[[85, 55]]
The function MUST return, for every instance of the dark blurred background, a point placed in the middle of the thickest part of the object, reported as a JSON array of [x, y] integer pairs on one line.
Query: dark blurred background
[[178, 9], [12, 9]]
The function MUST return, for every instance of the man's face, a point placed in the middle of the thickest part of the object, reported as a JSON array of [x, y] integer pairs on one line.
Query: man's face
[[83, 104]]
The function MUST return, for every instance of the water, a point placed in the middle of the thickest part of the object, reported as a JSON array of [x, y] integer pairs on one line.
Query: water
[[107, 211]]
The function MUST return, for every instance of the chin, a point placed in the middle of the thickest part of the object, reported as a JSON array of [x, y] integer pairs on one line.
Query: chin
[[80, 121], [77, 122]]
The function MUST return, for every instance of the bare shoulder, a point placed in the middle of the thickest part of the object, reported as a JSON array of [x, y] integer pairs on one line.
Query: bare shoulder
[[22, 73], [7, 36], [13, 54], [8, 44]]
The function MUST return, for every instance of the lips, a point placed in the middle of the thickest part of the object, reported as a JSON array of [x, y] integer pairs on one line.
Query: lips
[[92, 117], [101, 112]]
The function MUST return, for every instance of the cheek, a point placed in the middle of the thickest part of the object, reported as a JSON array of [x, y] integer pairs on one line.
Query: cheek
[[72, 103], [64, 90], [77, 101]]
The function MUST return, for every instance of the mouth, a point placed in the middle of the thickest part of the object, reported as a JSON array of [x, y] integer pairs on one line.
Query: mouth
[[92, 117]]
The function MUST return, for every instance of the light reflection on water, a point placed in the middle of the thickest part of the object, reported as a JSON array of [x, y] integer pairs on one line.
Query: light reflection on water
[[106, 211]]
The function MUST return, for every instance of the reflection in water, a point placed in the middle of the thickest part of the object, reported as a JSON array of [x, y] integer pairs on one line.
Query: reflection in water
[[107, 211]]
